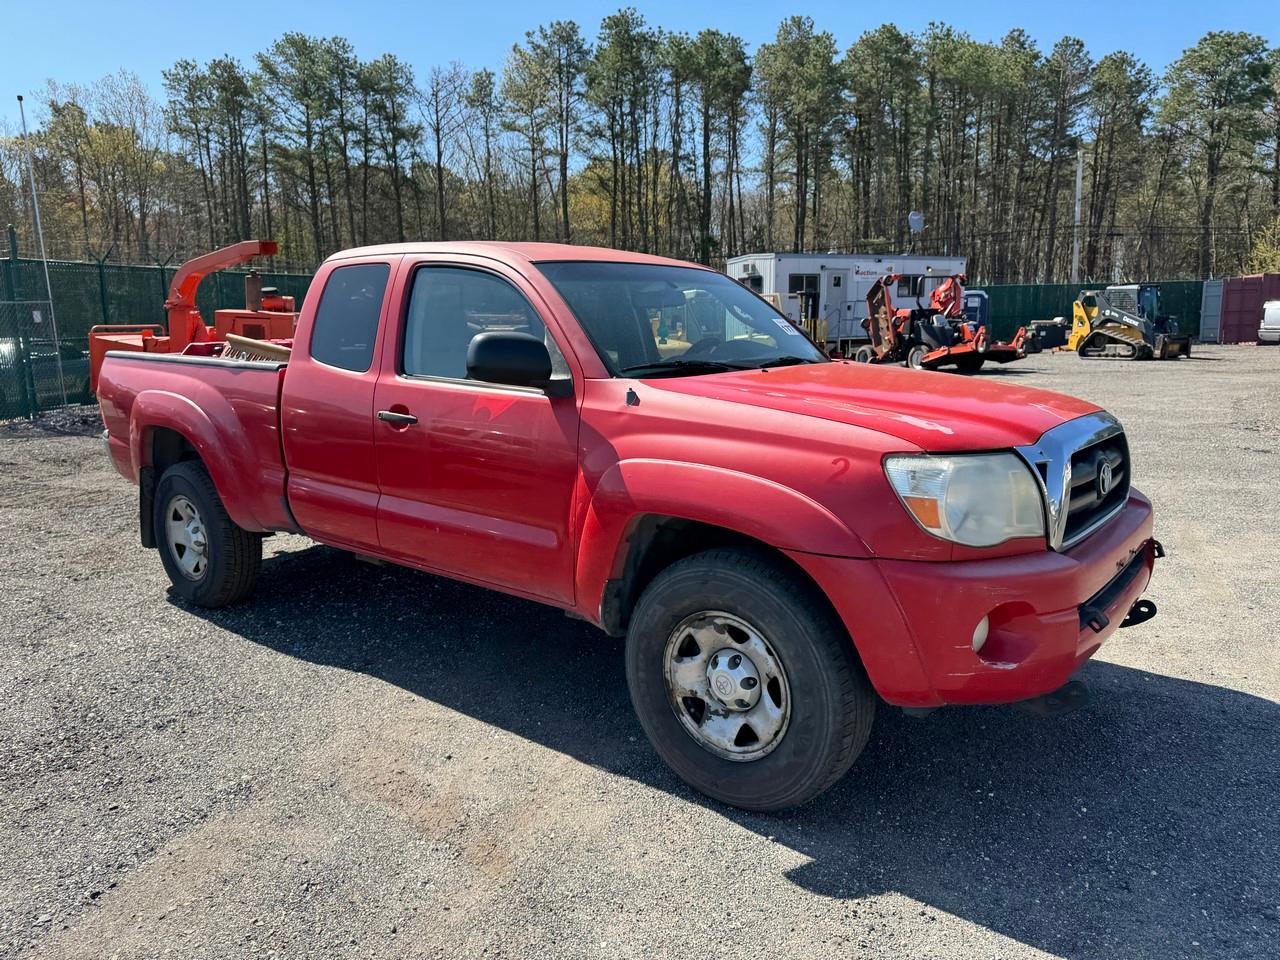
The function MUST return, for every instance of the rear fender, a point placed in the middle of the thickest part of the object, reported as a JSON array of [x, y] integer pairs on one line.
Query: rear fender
[[212, 428], [745, 504]]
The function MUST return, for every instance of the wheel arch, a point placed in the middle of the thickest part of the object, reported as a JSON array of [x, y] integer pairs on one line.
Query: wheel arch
[[645, 510], [653, 542], [162, 447], [165, 428]]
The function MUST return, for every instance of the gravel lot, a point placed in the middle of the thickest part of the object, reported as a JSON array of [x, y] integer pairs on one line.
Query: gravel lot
[[365, 761]]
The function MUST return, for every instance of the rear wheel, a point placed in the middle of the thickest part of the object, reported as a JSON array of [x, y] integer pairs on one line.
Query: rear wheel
[[210, 561], [745, 682]]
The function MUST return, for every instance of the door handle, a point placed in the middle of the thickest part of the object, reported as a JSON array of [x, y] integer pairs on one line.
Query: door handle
[[397, 419]]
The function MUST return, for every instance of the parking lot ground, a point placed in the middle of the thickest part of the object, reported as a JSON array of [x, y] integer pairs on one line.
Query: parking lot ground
[[366, 761]]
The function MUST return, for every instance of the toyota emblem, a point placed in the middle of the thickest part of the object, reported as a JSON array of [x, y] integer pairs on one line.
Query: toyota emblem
[[1105, 478]]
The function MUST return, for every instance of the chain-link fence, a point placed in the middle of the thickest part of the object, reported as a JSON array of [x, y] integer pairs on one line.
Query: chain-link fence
[[38, 369], [86, 294]]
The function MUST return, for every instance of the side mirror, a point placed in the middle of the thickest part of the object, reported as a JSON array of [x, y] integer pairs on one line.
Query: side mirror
[[509, 357]]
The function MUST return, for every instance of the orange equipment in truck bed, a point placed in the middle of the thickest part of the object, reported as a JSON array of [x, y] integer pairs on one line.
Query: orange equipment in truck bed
[[266, 315]]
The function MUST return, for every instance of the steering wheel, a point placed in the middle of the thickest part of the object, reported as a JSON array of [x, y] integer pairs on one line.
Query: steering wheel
[[706, 348]]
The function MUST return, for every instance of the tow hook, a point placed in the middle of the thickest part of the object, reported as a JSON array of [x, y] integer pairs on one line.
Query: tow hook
[[1072, 695], [1140, 612], [1094, 619]]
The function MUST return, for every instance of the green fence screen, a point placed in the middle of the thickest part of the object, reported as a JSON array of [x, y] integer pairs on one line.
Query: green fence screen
[[86, 294], [1018, 304]]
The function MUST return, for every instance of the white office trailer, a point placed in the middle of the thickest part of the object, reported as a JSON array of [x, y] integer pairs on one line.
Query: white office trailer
[[826, 292]]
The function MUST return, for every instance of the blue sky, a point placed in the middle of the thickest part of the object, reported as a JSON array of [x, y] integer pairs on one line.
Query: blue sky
[[80, 40]]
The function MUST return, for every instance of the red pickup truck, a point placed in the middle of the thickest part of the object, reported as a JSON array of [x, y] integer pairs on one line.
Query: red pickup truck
[[783, 539]]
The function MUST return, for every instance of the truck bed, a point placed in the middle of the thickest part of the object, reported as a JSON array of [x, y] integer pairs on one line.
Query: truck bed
[[229, 410]]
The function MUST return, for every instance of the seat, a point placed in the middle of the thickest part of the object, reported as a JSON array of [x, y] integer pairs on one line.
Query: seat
[[438, 336], [629, 340]]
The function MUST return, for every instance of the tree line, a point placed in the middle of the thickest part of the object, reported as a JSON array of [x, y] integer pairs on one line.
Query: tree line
[[689, 146]]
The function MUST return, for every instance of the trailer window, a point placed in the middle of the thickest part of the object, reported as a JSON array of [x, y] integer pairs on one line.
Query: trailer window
[[346, 323], [805, 286]]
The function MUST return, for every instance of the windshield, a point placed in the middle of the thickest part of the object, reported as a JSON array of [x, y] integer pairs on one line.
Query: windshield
[[655, 320]]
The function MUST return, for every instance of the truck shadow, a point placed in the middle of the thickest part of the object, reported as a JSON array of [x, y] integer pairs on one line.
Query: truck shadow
[[1141, 825]]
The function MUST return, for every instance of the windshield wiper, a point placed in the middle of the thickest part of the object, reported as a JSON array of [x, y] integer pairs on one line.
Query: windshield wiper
[[787, 361], [681, 365]]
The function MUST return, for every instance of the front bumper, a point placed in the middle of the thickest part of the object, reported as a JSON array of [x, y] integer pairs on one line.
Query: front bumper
[[913, 622]]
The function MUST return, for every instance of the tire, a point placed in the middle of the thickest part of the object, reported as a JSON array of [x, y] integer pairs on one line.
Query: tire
[[825, 695], [863, 354], [227, 568], [915, 357]]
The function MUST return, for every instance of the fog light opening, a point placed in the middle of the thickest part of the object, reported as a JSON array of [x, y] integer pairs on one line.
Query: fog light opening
[[980, 634]]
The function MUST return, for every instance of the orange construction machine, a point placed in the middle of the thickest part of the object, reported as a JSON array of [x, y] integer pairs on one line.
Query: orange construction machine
[[266, 314], [930, 337]]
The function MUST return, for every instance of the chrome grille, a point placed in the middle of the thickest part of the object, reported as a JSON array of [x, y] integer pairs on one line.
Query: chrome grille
[[1089, 502], [1069, 461]]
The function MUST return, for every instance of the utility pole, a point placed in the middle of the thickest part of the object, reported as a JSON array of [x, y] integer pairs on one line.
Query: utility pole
[[35, 208], [1075, 232]]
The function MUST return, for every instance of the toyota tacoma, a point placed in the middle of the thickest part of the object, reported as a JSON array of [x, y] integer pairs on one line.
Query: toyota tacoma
[[783, 539]]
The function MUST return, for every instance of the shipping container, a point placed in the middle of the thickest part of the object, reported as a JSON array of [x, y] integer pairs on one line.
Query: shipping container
[[1242, 300]]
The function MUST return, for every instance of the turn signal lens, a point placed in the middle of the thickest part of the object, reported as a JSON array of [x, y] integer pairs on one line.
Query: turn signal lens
[[925, 511]]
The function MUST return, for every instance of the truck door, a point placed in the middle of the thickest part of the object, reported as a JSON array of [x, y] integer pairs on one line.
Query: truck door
[[326, 407], [477, 479]]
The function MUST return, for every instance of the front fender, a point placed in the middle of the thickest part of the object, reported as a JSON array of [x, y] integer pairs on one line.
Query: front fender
[[211, 426], [761, 509]]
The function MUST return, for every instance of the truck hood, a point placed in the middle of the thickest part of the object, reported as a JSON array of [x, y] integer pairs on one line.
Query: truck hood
[[932, 410]]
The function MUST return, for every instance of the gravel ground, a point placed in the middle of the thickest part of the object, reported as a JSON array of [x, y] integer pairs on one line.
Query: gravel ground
[[365, 761]]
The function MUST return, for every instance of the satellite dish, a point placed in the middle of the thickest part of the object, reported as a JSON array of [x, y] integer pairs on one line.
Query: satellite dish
[[915, 220]]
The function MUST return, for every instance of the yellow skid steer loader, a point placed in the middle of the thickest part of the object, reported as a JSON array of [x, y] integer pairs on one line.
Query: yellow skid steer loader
[[1124, 322]]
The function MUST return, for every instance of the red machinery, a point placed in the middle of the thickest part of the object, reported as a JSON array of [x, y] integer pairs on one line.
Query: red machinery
[[931, 337], [266, 315]]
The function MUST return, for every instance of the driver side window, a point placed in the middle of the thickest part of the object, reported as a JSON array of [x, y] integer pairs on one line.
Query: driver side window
[[449, 306]]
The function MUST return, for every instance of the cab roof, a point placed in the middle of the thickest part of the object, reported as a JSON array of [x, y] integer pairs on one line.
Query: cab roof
[[510, 252]]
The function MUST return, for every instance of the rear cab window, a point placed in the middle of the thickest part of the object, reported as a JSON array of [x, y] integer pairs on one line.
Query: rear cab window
[[345, 327]]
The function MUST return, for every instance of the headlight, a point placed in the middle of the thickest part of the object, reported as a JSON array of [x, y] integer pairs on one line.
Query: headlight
[[978, 499]]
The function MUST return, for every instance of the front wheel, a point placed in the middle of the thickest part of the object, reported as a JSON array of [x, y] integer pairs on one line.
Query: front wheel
[[210, 561], [864, 354], [745, 682], [915, 357]]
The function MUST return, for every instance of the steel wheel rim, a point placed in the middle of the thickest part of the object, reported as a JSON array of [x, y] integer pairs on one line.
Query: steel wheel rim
[[186, 537], [714, 697]]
